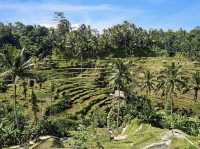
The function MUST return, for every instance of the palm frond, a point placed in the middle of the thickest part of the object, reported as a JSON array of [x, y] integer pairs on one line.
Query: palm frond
[[6, 73]]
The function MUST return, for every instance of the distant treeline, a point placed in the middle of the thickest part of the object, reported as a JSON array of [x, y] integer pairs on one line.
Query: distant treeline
[[121, 40]]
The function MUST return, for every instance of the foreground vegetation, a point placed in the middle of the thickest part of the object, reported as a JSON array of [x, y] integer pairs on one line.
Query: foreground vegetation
[[95, 90]]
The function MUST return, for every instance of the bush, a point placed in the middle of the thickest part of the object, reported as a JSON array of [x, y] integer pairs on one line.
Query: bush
[[140, 107], [190, 125], [9, 133], [58, 107], [12, 135], [98, 118], [56, 127]]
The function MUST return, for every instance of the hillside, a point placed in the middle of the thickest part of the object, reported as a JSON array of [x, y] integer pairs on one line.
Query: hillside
[[74, 92], [85, 94], [135, 135]]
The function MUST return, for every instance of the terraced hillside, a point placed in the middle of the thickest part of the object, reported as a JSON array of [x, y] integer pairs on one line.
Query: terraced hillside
[[83, 94], [78, 86], [76, 91]]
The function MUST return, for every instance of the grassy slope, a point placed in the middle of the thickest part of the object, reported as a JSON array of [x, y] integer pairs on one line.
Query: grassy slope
[[82, 87], [87, 97], [139, 136], [84, 93]]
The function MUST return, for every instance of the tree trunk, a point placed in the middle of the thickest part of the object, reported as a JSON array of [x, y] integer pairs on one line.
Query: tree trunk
[[35, 118], [24, 89], [172, 105], [195, 94], [15, 99], [40, 86], [118, 109], [51, 111], [34, 107], [147, 93]]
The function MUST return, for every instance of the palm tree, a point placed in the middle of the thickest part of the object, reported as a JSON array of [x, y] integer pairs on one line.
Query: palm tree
[[149, 82], [120, 78], [195, 84], [170, 82], [18, 66]]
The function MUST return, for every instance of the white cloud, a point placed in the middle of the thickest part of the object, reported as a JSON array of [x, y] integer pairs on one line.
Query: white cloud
[[54, 7], [98, 16], [48, 25]]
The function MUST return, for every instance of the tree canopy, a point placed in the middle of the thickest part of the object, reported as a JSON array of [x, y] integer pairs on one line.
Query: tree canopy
[[121, 40]]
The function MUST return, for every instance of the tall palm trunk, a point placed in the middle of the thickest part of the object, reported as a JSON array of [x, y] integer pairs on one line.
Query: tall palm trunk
[[172, 105], [15, 101], [118, 110], [196, 94], [34, 107], [148, 91], [51, 100], [24, 91], [40, 84]]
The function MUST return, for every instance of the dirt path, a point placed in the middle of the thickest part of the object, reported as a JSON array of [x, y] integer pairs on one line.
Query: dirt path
[[123, 136]]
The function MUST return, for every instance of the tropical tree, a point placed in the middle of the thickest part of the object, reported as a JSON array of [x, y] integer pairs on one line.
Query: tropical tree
[[171, 81], [119, 80], [149, 82], [18, 66], [195, 84]]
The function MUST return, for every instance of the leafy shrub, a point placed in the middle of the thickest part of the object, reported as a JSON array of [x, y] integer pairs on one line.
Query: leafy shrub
[[58, 107], [135, 107], [9, 133], [80, 138], [98, 118], [189, 125], [55, 127], [139, 107]]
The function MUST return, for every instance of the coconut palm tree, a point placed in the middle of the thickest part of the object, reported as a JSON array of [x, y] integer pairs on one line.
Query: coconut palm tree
[[18, 66], [171, 81], [149, 82], [195, 84], [119, 80]]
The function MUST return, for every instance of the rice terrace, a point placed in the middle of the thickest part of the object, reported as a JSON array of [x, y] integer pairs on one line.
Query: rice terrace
[[75, 75]]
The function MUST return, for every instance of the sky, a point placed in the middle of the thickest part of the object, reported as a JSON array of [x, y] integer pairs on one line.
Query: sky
[[100, 14]]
